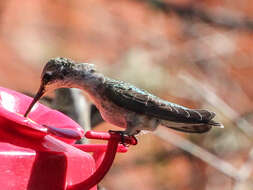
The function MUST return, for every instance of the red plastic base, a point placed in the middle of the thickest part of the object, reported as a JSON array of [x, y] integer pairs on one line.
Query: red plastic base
[[41, 155]]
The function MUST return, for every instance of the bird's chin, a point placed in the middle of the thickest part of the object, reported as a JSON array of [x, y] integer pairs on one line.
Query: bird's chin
[[57, 84]]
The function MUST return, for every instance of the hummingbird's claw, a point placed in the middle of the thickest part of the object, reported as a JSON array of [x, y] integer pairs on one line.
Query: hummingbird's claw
[[125, 138]]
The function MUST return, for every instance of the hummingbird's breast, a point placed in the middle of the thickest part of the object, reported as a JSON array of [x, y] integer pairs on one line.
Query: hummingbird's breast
[[124, 118], [109, 111], [113, 113], [94, 86]]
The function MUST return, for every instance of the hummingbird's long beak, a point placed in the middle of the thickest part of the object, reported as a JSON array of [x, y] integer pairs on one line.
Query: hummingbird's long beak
[[38, 95]]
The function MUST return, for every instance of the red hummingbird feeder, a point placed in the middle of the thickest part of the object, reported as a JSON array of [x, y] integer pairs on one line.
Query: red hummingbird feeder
[[39, 153]]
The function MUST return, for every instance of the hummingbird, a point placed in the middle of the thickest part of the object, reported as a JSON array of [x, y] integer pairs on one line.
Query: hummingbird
[[121, 103]]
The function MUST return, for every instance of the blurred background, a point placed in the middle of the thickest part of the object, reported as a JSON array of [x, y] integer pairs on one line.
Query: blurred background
[[197, 53]]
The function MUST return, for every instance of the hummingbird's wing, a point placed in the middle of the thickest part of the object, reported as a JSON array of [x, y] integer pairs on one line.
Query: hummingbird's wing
[[132, 98]]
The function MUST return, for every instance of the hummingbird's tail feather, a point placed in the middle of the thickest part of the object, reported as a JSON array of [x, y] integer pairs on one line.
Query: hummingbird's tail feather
[[204, 115], [216, 124], [191, 127]]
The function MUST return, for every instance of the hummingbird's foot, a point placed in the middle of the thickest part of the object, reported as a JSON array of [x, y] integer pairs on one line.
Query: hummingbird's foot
[[123, 136]]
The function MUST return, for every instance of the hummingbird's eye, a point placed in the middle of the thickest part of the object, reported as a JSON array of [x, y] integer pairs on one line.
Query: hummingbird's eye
[[47, 77]]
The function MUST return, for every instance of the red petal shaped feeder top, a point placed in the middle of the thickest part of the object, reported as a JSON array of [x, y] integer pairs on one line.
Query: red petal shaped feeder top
[[41, 120]]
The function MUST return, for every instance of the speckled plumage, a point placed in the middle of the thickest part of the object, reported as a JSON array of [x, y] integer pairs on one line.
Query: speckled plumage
[[120, 103]]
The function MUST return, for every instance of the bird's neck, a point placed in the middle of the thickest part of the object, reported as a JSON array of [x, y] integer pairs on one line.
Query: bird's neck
[[87, 81]]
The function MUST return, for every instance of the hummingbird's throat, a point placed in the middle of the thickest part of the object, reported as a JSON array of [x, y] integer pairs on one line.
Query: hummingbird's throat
[[36, 98]]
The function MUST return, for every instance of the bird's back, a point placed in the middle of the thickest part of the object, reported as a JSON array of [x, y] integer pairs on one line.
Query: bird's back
[[140, 101]]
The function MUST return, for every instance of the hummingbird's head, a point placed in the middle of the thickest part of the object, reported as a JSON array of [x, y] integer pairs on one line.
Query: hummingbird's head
[[53, 76], [60, 73], [56, 72]]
